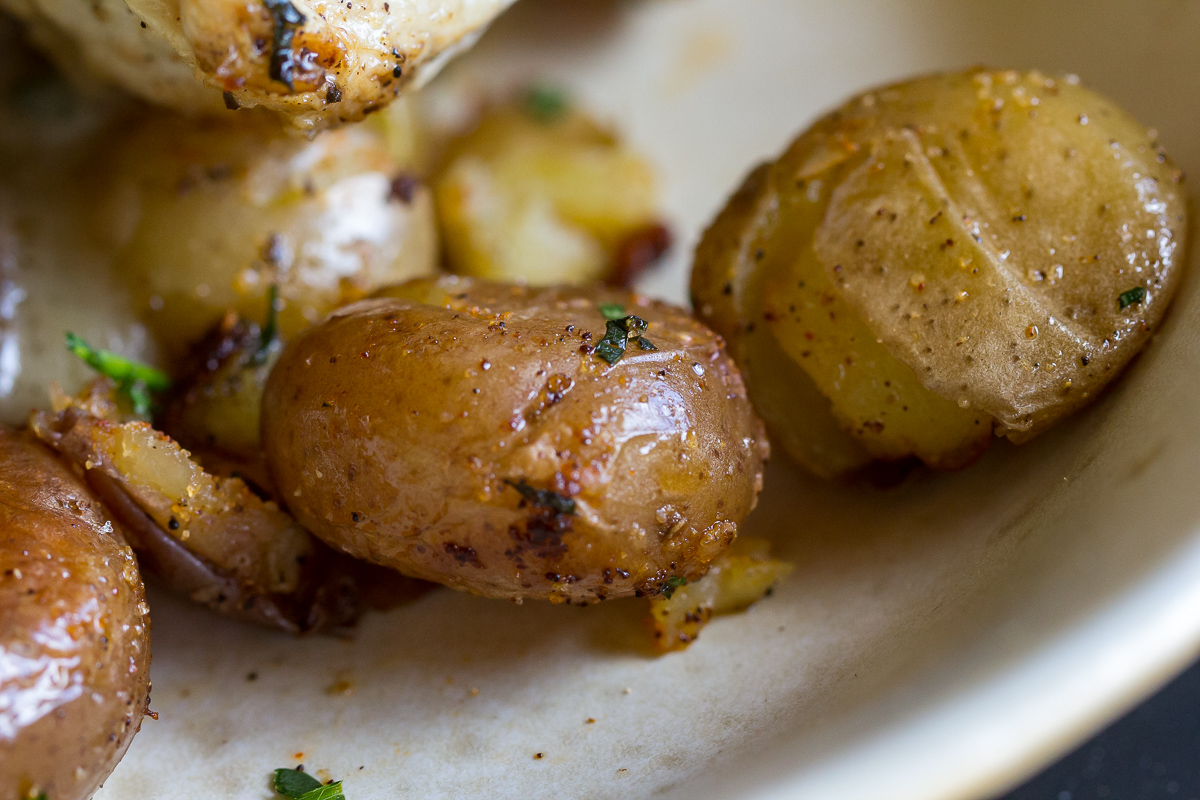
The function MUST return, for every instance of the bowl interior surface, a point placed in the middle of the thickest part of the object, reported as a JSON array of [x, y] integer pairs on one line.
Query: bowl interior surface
[[939, 640]]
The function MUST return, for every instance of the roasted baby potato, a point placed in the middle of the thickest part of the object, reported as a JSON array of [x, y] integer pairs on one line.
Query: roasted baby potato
[[215, 404], [945, 258], [513, 442], [74, 634], [209, 215], [541, 193], [209, 537]]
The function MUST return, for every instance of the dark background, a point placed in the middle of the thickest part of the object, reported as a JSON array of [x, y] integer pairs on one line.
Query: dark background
[[1153, 753]]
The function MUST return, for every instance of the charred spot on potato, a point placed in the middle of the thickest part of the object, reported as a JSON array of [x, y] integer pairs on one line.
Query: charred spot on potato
[[463, 554], [542, 535]]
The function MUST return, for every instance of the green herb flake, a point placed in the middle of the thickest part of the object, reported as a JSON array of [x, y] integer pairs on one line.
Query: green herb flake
[[612, 346], [546, 103], [673, 583], [646, 344], [268, 339], [287, 20], [617, 336], [1132, 297], [544, 498], [294, 783], [612, 311], [330, 791], [137, 381]]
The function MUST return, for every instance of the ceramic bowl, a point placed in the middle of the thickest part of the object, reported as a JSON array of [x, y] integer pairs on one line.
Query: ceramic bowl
[[940, 640]]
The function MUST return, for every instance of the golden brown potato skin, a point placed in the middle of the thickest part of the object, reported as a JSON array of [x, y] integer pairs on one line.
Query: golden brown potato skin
[[74, 635], [986, 227], [207, 215], [397, 429]]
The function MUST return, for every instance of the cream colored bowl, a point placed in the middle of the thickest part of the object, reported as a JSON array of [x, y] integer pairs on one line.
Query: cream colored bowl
[[938, 641]]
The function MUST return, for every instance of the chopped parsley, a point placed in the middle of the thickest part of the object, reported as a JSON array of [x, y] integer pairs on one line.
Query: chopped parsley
[[137, 381], [673, 583], [294, 783], [301, 786], [613, 311], [546, 103], [617, 336], [1135, 295], [330, 791], [544, 498], [287, 20], [268, 339]]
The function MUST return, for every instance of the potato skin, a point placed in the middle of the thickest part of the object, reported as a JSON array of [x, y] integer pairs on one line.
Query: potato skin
[[397, 429], [727, 294], [74, 635], [207, 215], [1053, 202]]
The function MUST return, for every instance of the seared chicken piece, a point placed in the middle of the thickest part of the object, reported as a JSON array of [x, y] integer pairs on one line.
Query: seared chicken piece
[[313, 61]]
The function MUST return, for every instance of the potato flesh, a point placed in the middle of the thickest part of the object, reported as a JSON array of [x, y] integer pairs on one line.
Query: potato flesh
[[832, 395], [219, 519], [798, 415], [229, 418], [724, 277], [741, 577], [877, 398], [207, 216], [545, 201], [215, 405]]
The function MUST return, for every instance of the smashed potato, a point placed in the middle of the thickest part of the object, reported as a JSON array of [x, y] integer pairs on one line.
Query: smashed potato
[[740, 578], [945, 258], [563, 444], [208, 536], [543, 194], [209, 215], [264, 547]]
